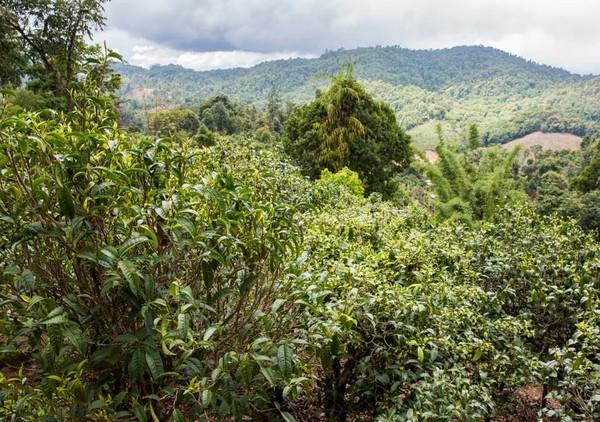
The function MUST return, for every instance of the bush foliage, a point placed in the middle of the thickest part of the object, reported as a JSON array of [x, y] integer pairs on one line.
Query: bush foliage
[[188, 275], [156, 279]]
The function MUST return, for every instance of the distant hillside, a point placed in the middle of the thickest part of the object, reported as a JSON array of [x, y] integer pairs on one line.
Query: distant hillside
[[547, 141], [505, 95]]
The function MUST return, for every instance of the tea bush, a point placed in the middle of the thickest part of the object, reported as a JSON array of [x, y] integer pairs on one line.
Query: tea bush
[[156, 279]]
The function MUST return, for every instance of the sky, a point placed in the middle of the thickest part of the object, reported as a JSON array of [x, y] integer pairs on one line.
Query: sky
[[210, 34]]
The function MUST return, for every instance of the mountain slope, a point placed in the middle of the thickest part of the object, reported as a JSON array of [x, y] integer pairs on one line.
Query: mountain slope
[[507, 96]]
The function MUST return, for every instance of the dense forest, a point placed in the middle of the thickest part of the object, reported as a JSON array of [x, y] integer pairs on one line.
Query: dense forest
[[505, 95], [227, 261]]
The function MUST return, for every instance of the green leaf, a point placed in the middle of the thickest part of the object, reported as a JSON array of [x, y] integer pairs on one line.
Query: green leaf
[[20, 404], [224, 409], [12, 269], [149, 287], [207, 397], [130, 273], [183, 324], [90, 256], [56, 316], [6, 92], [131, 243], [277, 304], [33, 301], [268, 374], [118, 399], [65, 202], [420, 354], [103, 354], [577, 363], [335, 345], [217, 257], [37, 229], [79, 392], [114, 55], [96, 404], [247, 284], [246, 371], [25, 281], [48, 385], [56, 337], [208, 271], [209, 332], [126, 338], [187, 225], [40, 181], [76, 339], [477, 355], [287, 417], [225, 222], [154, 362], [284, 360], [152, 236], [178, 416], [433, 354], [220, 201], [140, 413], [136, 364], [223, 293], [109, 254]]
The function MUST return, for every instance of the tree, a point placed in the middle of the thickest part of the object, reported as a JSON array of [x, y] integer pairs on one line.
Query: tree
[[221, 118], [474, 138], [181, 122], [589, 178], [554, 196], [50, 36], [345, 127], [589, 216], [439, 133], [222, 115], [275, 111], [12, 61]]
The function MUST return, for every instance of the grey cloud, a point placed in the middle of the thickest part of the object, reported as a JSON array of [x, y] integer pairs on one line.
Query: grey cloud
[[213, 25], [307, 25], [312, 26]]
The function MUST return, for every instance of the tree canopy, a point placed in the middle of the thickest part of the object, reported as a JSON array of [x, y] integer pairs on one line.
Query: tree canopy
[[346, 127], [46, 40]]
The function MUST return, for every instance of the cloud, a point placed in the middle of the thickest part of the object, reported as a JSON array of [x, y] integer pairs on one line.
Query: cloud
[[142, 52], [559, 32], [224, 25], [147, 56]]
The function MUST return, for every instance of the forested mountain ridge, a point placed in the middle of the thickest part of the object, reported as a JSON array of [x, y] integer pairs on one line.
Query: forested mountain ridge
[[507, 96], [432, 70]]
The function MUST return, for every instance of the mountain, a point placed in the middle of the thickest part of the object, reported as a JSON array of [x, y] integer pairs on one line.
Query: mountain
[[505, 95]]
